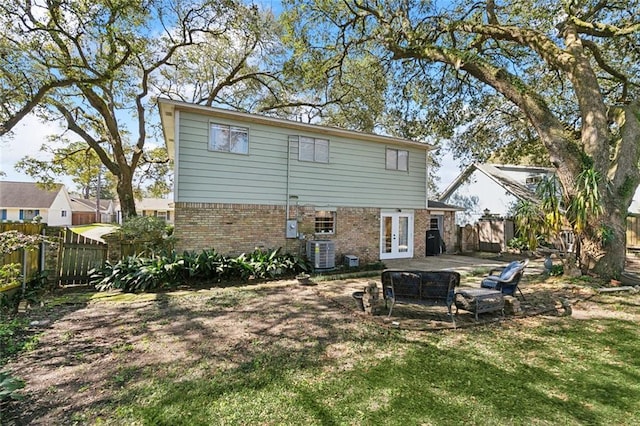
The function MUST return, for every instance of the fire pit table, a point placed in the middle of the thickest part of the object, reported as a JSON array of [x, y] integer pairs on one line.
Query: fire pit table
[[479, 300]]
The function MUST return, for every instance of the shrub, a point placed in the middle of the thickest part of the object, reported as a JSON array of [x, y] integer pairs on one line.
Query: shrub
[[153, 233], [9, 387], [138, 274]]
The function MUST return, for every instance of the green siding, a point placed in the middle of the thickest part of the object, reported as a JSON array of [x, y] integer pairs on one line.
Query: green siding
[[354, 177]]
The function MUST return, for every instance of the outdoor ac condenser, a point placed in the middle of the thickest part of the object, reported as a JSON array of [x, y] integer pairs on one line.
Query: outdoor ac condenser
[[322, 254]]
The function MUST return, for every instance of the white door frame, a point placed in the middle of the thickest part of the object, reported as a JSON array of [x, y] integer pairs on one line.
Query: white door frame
[[396, 243]]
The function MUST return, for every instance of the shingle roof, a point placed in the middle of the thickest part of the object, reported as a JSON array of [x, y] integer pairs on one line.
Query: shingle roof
[[26, 195], [496, 173], [154, 204], [83, 205], [443, 206]]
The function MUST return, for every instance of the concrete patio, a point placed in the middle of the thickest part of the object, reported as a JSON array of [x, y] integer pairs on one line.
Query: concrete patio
[[421, 317]]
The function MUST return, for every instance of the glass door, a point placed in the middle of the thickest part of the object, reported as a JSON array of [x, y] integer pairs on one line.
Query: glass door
[[396, 235]]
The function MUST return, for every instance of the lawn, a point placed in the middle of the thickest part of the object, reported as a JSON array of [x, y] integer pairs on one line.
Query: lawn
[[286, 354]]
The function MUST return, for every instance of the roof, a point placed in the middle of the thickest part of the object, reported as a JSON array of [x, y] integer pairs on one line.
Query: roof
[[169, 107], [154, 204], [443, 206], [27, 195], [496, 172], [83, 205]]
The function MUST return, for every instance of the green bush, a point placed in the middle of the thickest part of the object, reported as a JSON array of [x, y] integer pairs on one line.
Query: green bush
[[518, 243], [154, 234], [9, 389], [138, 274], [556, 270]]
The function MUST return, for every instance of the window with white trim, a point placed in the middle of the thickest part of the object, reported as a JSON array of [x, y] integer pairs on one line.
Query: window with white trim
[[533, 180], [397, 159], [312, 149], [224, 138], [63, 213], [325, 222]]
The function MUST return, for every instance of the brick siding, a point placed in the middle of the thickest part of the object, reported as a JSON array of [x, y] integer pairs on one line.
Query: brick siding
[[237, 228]]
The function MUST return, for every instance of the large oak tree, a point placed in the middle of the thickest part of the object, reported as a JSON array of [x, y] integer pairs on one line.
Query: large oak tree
[[555, 80], [97, 66]]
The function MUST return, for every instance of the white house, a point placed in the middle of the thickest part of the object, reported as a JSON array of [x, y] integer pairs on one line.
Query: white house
[[161, 208], [244, 181], [493, 189], [23, 201]]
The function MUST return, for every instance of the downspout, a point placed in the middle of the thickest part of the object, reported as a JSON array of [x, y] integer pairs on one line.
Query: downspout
[[288, 176], [426, 179], [176, 142]]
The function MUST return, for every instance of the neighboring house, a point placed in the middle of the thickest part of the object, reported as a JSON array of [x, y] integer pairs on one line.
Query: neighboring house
[[85, 212], [156, 207], [23, 201], [493, 189], [244, 181]]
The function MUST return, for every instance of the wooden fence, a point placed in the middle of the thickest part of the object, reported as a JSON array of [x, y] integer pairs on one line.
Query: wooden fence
[[77, 256], [633, 231], [31, 261]]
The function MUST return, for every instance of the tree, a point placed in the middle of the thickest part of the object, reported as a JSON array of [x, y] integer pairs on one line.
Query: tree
[[74, 159], [529, 77], [130, 46]]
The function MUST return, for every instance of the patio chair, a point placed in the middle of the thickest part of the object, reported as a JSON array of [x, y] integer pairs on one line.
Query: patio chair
[[506, 279]]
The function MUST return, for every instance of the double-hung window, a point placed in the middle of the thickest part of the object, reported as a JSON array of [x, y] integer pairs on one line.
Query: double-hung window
[[225, 138], [312, 149], [397, 159], [325, 222]]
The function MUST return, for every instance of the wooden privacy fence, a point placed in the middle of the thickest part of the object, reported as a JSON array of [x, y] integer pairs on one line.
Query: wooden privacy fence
[[633, 231], [30, 261], [77, 256]]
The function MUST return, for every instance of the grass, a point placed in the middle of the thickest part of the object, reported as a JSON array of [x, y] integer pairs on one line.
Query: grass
[[539, 370], [83, 228], [542, 371], [574, 372]]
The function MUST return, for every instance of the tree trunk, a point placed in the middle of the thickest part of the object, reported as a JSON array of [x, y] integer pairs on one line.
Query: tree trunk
[[125, 194], [604, 257]]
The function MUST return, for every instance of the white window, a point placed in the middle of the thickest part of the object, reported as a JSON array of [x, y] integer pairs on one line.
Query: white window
[[325, 222], [533, 180], [225, 138], [397, 159], [63, 213], [312, 149]]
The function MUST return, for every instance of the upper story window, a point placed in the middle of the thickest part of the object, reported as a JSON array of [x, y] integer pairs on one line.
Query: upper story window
[[63, 213], [397, 159], [226, 138], [312, 149]]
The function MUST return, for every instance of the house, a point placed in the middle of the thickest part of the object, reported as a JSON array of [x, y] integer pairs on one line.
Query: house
[[492, 190], [243, 181], [161, 208], [24, 201], [84, 211]]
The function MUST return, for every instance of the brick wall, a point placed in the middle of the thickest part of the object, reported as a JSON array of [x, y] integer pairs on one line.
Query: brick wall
[[237, 228]]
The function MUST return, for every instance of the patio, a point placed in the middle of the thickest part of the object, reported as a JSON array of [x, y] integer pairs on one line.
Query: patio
[[541, 299]]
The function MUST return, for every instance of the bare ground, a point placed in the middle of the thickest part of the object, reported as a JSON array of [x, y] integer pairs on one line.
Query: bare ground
[[89, 350]]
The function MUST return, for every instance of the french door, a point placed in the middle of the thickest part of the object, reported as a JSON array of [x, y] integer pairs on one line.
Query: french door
[[396, 235]]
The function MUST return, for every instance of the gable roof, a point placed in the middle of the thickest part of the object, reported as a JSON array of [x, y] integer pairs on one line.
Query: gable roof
[[154, 204], [79, 204], [27, 195], [169, 107], [496, 172]]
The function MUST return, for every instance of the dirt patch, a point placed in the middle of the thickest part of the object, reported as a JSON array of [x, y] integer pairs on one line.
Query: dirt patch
[[90, 350]]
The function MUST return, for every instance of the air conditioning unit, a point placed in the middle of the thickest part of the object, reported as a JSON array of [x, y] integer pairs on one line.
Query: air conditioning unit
[[322, 254]]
